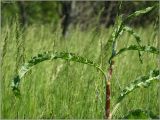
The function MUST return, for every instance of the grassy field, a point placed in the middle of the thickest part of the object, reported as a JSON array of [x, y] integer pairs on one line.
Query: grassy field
[[61, 89]]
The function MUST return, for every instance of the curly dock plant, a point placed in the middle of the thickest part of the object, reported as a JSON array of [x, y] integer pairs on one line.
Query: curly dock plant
[[119, 28]]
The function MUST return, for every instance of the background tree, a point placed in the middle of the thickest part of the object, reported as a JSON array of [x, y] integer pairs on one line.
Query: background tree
[[23, 14], [82, 13], [65, 15]]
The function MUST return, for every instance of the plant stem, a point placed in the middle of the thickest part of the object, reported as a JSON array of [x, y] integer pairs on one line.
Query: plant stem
[[107, 99], [108, 92]]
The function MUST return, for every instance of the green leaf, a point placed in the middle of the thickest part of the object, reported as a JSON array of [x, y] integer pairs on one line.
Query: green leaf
[[49, 56], [137, 114], [140, 114], [143, 81], [139, 13], [118, 29], [150, 49], [133, 33]]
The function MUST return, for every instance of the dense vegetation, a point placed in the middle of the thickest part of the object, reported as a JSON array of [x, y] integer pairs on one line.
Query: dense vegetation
[[64, 89]]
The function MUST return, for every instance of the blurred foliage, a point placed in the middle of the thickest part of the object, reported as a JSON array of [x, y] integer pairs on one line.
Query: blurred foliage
[[37, 11], [82, 12]]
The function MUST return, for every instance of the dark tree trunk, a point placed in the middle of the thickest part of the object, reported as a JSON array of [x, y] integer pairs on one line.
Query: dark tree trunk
[[66, 10], [23, 14], [109, 14]]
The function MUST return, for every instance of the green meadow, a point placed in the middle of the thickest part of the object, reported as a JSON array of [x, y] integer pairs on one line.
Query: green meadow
[[65, 89]]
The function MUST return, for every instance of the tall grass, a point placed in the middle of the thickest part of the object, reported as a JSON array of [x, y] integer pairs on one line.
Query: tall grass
[[63, 89]]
